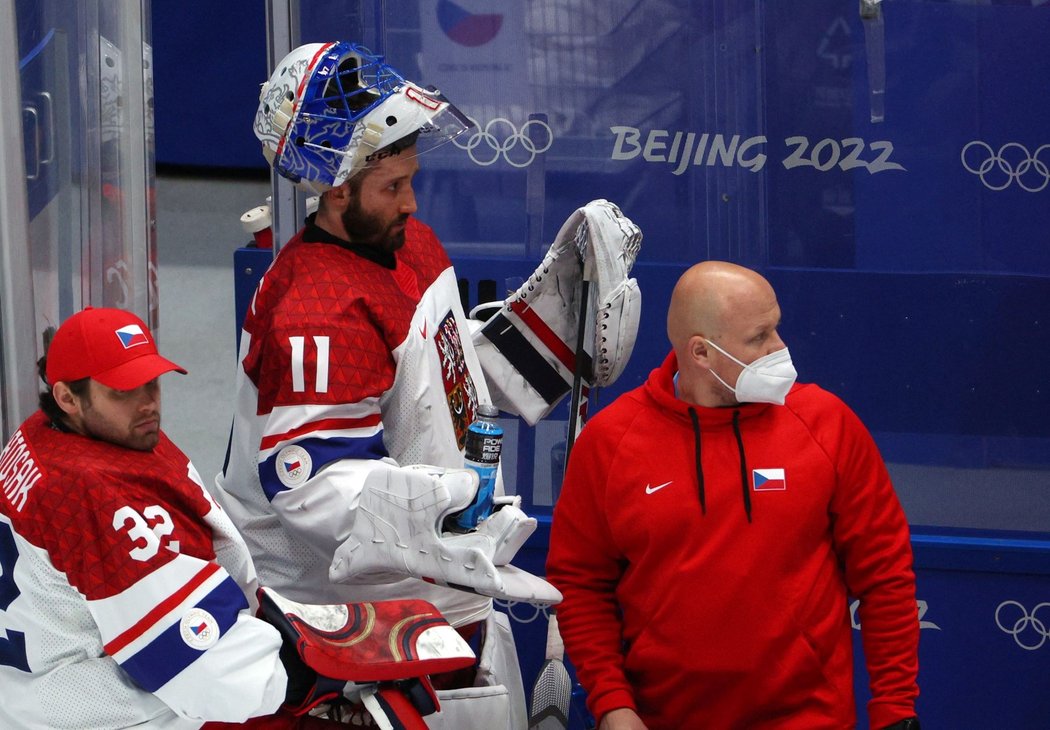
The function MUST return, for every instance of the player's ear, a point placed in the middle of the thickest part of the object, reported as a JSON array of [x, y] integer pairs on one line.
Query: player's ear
[[337, 197], [66, 399]]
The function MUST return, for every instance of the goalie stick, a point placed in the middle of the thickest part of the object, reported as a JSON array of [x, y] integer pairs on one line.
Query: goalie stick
[[552, 691], [526, 349], [577, 400]]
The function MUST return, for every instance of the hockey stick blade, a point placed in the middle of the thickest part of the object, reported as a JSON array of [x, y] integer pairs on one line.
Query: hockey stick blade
[[551, 695]]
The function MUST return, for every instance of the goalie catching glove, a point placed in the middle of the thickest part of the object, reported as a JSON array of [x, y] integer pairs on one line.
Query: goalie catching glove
[[527, 349], [397, 532]]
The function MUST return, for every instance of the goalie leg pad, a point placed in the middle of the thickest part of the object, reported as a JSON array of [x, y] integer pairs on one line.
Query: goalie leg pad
[[497, 700]]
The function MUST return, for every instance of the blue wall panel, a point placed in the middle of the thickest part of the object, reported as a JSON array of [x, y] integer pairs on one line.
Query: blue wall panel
[[209, 60]]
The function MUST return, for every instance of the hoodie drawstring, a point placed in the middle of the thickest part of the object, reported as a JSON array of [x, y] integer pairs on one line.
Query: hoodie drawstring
[[700, 469], [743, 464], [699, 464]]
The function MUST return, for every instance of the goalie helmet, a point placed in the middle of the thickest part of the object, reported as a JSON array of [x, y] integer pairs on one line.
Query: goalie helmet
[[328, 108]]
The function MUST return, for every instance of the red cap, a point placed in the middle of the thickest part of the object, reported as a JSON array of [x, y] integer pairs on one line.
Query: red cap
[[111, 346]]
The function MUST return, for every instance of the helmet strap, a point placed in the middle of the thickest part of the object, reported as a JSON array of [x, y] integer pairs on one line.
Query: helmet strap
[[367, 144]]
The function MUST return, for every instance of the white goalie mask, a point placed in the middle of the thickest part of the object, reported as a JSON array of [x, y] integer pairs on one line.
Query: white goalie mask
[[330, 109]]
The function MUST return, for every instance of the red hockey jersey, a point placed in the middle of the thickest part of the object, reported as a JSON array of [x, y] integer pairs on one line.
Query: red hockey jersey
[[120, 574], [346, 364]]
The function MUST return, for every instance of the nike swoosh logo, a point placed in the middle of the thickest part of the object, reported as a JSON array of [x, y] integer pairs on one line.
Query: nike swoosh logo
[[423, 330], [651, 490]]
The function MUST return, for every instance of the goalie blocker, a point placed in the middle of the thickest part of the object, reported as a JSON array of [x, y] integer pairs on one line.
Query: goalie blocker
[[527, 349], [377, 654]]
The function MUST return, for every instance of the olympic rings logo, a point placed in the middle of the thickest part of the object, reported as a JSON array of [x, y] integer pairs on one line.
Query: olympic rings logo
[[1024, 626], [1012, 163], [500, 138], [520, 611]]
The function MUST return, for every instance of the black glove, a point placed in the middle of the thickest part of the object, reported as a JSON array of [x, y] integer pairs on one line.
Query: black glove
[[306, 688], [911, 723]]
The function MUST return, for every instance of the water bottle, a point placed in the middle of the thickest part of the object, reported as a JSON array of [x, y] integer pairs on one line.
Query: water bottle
[[482, 451]]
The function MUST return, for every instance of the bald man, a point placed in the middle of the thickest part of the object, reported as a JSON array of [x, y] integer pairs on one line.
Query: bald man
[[714, 524]]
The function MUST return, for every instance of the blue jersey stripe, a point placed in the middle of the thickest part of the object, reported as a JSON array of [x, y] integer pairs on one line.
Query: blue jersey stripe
[[322, 452], [162, 659]]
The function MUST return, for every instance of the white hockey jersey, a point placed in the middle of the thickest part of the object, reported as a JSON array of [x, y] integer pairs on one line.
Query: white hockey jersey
[[126, 596], [346, 365]]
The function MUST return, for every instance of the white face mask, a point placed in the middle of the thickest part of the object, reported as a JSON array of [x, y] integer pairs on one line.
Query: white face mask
[[767, 380]]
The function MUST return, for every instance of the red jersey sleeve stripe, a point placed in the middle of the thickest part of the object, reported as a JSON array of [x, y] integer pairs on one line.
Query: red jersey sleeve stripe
[[160, 609], [327, 424]]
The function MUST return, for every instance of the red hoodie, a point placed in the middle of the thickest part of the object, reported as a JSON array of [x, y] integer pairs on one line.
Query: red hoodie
[[706, 555]]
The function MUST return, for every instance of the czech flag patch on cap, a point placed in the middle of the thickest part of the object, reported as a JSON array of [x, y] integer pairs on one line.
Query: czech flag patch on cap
[[132, 335]]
